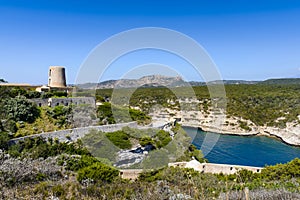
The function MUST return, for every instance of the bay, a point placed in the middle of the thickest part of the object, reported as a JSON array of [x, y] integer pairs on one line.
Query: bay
[[242, 150]]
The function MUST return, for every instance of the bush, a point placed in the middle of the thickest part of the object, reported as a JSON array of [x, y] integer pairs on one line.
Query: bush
[[282, 171], [77, 163], [16, 91], [9, 125], [33, 94], [106, 112], [152, 175], [60, 113], [54, 94], [146, 141], [38, 148], [120, 139], [98, 172], [163, 138], [244, 125], [192, 151], [20, 109], [139, 116], [4, 138]]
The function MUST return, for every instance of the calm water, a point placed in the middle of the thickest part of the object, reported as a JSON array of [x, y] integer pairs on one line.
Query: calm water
[[243, 150]]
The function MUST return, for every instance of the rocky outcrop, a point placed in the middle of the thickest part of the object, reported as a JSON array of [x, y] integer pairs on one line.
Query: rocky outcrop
[[230, 125]]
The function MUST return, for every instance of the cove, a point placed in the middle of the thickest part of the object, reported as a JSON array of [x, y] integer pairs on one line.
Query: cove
[[244, 150]]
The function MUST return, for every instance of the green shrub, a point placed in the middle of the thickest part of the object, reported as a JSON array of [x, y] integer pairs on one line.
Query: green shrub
[[282, 171], [77, 163], [97, 172], [50, 94], [4, 138], [139, 116], [104, 113], [32, 94], [9, 125], [60, 113], [120, 139], [39, 148], [192, 151], [151, 175], [107, 111], [163, 138], [146, 141], [244, 125], [20, 109]]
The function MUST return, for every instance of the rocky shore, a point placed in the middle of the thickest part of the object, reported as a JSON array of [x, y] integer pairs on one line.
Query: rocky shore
[[230, 125], [289, 136]]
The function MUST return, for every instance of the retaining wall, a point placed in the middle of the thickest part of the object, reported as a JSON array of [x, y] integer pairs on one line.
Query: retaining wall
[[215, 168], [201, 167], [76, 133]]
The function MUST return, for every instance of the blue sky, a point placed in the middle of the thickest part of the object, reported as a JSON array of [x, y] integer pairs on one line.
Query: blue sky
[[251, 40]]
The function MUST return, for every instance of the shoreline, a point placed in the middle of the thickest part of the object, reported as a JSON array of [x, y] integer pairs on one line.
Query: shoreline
[[245, 134]]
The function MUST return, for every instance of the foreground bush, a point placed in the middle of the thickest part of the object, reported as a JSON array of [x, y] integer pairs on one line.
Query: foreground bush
[[97, 172]]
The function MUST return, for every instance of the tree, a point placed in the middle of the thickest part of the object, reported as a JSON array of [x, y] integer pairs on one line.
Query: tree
[[2, 80]]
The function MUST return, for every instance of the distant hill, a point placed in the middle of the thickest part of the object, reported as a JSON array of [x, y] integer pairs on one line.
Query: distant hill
[[167, 81], [232, 82], [282, 81], [146, 81]]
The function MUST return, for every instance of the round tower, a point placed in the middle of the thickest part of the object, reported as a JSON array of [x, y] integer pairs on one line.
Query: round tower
[[57, 77]]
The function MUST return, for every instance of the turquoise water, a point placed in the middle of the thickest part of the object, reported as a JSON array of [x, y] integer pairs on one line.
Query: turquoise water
[[242, 150]]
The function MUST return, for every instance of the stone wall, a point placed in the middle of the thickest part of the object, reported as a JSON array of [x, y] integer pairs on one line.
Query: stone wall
[[131, 174], [76, 133], [65, 101], [214, 168], [201, 167]]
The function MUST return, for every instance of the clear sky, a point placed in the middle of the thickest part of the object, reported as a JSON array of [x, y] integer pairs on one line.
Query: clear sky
[[247, 39]]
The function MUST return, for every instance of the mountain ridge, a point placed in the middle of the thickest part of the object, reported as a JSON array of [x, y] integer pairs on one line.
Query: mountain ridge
[[176, 81]]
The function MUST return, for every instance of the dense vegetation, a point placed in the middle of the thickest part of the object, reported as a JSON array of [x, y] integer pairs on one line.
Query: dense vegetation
[[57, 164], [39, 148], [161, 147], [111, 114], [263, 104], [120, 139], [40, 169], [73, 156], [19, 116]]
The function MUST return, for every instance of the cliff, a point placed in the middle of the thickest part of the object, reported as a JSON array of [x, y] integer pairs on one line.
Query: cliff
[[230, 125]]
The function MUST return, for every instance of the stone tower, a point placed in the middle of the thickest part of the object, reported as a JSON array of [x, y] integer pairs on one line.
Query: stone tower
[[57, 77]]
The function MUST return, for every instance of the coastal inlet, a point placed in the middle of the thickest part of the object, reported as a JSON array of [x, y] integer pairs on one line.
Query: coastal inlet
[[245, 150]]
